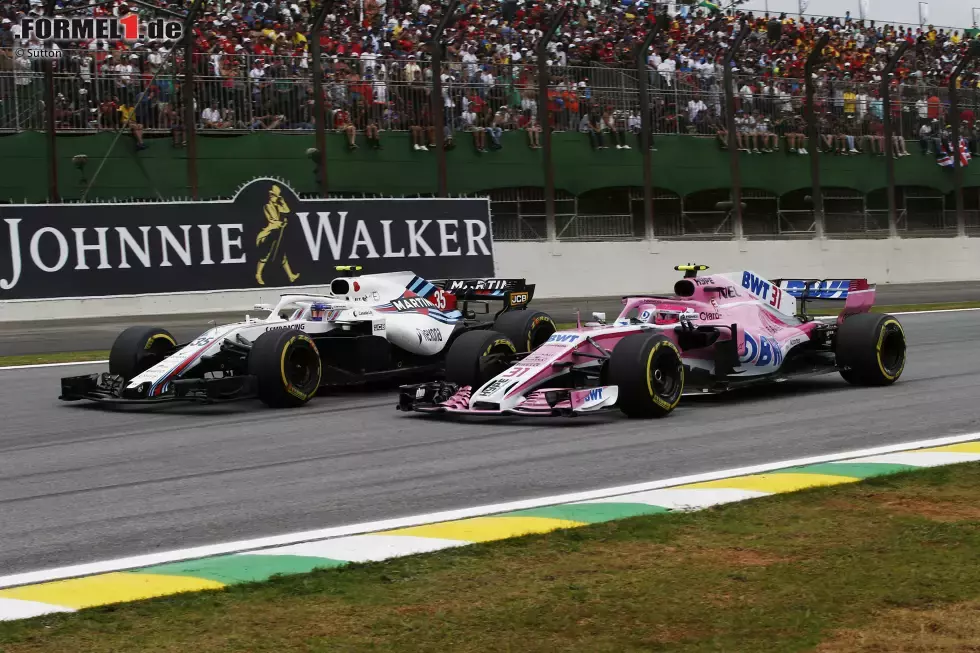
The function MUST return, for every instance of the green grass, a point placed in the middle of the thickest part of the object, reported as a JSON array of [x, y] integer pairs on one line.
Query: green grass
[[65, 357], [903, 308], [873, 566]]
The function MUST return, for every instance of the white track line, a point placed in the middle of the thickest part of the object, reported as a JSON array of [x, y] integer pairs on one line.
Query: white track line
[[147, 560], [37, 365], [105, 362], [938, 310]]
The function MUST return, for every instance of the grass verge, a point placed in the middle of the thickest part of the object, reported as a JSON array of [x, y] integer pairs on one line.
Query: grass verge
[[888, 564], [64, 357], [900, 308]]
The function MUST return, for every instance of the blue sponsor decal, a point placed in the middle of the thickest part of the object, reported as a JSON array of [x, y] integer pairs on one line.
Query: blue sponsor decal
[[563, 337], [594, 395], [755, 285], [831, 289], [751, 349], [764, 352]]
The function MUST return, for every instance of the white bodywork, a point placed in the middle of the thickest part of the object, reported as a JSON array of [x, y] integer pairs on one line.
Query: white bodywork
[[411, 323]]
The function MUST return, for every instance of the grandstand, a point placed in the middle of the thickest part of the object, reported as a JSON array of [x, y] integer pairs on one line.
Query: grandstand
[[252, 77]]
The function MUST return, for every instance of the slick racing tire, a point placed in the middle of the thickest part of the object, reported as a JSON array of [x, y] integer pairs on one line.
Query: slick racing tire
[[871, 349], [649, 374], [286, 366], [528, 330], [475, 357], [139, 348]]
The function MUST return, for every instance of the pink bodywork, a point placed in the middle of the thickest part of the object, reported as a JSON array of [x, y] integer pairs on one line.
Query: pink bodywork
[[711, 305], [860, 299]]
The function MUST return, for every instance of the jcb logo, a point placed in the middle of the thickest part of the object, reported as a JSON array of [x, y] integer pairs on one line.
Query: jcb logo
[[519, 298]]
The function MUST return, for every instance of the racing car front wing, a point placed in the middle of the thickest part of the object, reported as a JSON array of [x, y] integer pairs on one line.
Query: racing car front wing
[[111, 389], [443, 397]]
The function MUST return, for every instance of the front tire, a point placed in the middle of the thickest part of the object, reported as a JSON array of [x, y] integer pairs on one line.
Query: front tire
[[648, 371], [475, 357], [139, 348], [528, 330], [286, 366], [871, 349]]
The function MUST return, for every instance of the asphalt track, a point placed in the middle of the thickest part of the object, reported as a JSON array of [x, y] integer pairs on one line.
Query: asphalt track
[[80, 484], [23, 338]]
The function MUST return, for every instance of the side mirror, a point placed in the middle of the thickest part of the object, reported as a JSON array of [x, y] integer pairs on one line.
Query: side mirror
[[599, 317], [262, 307]]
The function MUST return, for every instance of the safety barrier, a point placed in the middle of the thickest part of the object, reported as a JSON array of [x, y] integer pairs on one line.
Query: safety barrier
[[595, 269]]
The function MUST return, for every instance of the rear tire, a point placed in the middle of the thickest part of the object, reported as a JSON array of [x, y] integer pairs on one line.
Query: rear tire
[[528, 330], [871, 349], [649, 374], [286, 366], [475, 357], [139, 348]]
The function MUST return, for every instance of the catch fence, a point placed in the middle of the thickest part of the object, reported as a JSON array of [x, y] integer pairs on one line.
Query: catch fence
[[98, 90]]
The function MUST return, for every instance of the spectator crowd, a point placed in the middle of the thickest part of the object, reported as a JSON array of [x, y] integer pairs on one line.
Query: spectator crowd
[[253, 72]]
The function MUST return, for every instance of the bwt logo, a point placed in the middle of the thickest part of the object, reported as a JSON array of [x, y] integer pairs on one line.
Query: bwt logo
[[86, 29], [562, 337], [594, 395], [755, 285]]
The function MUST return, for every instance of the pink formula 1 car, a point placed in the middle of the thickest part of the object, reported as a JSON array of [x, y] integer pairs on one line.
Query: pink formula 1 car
[[716, 333]]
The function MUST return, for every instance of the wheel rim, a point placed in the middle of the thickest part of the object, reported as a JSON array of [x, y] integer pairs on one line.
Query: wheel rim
[[300, 367], [495, 362], [664, 378], [158, 351], [540, 334], [891, 355]]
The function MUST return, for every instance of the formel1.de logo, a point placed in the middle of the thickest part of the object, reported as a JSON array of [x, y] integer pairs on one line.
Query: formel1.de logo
[[86, 29]]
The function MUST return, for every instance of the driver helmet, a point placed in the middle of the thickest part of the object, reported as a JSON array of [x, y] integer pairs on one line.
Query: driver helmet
[[666, 317], [318, 311]]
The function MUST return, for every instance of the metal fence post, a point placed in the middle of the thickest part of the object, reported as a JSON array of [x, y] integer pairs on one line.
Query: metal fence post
[[643, 78], [50, 126], [318, 108], [814, 136], [16, 94], [190, 127], [545, 122], [736, 171], [438, 106], [886, 106], [954, 110]]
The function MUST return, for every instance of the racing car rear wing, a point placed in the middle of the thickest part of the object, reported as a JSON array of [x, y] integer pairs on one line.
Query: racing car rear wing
[[858, 294], [515, 293]]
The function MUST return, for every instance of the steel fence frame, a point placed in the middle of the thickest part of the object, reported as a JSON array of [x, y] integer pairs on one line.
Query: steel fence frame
[[246, 93]]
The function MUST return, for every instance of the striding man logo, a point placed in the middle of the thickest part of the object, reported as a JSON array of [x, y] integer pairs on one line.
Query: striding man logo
[[270, 240]]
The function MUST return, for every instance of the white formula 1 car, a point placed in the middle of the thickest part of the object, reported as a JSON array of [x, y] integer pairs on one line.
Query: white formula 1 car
[[366, 328]]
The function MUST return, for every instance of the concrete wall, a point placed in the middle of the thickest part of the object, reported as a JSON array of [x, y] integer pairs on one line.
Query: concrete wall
[[239, 301], [595, 269]]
